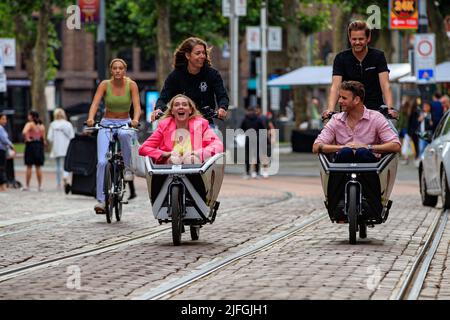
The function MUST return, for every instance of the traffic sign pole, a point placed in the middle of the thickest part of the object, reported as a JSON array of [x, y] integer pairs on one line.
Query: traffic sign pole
[[425, 89]]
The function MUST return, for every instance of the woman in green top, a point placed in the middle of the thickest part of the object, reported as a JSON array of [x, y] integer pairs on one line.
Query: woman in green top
[[119, 93]]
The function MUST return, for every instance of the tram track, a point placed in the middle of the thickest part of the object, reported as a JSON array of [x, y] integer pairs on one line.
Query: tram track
[[412, 285], [31, 267], [167, 288]]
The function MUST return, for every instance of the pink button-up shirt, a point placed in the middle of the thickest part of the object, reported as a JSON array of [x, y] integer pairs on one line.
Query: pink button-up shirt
[[372, 128]]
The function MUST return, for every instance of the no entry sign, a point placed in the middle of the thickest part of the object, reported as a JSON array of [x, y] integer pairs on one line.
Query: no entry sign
[[425, 58]]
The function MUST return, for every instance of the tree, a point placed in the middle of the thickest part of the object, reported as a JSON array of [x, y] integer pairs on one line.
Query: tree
[[32, 24], [164, 41], [436, 11]]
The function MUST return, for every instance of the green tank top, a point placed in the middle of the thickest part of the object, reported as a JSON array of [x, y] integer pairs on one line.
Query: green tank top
[[118, 103]]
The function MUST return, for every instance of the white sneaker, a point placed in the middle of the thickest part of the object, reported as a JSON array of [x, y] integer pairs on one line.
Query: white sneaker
[[265, 175], [100, 208], [254, 175], [128, 175]]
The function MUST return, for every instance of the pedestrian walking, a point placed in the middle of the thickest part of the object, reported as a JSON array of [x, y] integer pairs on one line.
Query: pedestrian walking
[[269, 127], [6, 146], [35, 142], [59, 135], [252, 124], [425, 125]]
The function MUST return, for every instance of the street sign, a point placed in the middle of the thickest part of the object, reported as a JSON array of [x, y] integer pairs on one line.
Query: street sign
[[253, 37], [425, 58], [90, 11], [403, 14], [241, 7], [2, 82], [8, 47], [275, 39]]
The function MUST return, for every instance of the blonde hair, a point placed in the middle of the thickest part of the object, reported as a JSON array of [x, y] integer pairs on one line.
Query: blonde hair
[[122, 62], [59, 114], [168, 112]]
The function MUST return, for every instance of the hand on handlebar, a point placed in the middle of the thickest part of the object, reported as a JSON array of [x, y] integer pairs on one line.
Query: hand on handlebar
[[221, 113], [393, 113], [134, 124], [90, 122], [327, 114], [156, 114]]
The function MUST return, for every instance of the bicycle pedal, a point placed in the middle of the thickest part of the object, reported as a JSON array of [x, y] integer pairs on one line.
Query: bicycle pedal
[[124, 202]]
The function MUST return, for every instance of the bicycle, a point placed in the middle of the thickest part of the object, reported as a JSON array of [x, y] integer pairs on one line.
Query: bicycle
[[114, 182]]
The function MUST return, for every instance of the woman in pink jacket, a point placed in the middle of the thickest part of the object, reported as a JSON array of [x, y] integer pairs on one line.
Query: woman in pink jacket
[[182, 136]]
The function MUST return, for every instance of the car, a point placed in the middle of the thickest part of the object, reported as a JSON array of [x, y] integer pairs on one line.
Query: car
[[434, 165]]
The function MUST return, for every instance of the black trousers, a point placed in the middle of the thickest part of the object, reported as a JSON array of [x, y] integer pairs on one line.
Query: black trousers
[[3, 179]]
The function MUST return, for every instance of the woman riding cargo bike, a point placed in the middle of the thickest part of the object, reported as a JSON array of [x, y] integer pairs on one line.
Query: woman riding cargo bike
[[185, 168], [119, 93]]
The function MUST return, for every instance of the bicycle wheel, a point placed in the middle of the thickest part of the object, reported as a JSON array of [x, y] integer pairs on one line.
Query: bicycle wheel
[[352, 214], [177, 219], [108, 190], [120, 183]]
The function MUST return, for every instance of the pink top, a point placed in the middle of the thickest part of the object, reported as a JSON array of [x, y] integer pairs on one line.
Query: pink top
[[372, 128], [34, 133], [205, 143]]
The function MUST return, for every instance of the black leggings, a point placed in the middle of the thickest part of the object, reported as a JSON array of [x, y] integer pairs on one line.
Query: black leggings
[[3, 179]]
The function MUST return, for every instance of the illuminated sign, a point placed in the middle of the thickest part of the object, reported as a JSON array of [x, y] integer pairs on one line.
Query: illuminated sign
[[403, 14]]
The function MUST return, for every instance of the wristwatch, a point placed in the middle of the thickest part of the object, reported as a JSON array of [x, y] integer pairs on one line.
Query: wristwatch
[[369, 147]]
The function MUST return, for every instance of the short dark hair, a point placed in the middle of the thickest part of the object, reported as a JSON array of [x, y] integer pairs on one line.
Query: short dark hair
[[358, 25], [356, 88], [437, 95]]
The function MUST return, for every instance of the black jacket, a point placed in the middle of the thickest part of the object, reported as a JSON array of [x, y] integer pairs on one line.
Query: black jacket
[[204, 88]]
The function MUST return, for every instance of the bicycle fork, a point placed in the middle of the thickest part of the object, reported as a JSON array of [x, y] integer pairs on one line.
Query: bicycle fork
[[356, 183], [176, 182]]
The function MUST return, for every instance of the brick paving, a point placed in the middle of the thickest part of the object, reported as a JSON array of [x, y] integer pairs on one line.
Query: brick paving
[[315, 264]]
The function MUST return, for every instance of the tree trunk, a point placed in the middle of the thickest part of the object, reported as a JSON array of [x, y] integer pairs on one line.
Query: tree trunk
[[296, 48], [38, 77], [436, 23], [340, 38], [164, 42], [384, 43]]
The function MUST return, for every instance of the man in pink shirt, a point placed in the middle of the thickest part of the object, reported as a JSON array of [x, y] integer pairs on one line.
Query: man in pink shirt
[[357, 134]]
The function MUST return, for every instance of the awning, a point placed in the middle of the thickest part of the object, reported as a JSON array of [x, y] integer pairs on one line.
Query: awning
[[442, 74], [321, 75]]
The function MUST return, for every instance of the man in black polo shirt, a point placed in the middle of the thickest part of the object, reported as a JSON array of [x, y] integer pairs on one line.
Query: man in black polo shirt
[[365, 65]]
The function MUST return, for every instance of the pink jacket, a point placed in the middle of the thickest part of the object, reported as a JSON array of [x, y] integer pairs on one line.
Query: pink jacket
[[205, 143]]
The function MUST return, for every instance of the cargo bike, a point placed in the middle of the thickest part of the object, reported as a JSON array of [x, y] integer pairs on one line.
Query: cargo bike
[[186, 194], [358, 194]]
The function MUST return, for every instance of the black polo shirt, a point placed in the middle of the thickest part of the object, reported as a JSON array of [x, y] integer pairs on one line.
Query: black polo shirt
[[348, 66]]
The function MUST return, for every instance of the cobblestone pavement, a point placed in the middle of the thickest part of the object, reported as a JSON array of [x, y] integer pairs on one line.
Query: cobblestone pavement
[[317, 263]]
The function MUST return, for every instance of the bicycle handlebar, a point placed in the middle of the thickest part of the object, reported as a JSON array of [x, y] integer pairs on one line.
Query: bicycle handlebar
[[98, 126], [209, 115], [384, 110]]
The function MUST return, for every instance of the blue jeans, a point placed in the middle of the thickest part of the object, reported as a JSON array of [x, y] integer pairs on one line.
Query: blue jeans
[[422, 145], [361, 155], [103, 139], [60, 170]]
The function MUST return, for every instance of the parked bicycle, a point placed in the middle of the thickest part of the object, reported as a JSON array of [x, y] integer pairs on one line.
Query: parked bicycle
[[114, 182]]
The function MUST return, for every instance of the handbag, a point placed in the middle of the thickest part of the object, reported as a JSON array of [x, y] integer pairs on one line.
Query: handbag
[[137, 162], [10, 153]]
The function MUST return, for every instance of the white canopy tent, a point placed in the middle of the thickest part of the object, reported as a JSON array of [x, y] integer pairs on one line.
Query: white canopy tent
[[442, 74], [321, 75]]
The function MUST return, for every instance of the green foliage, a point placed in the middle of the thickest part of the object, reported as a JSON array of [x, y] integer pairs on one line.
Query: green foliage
[[310, 24], [53, 45]]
